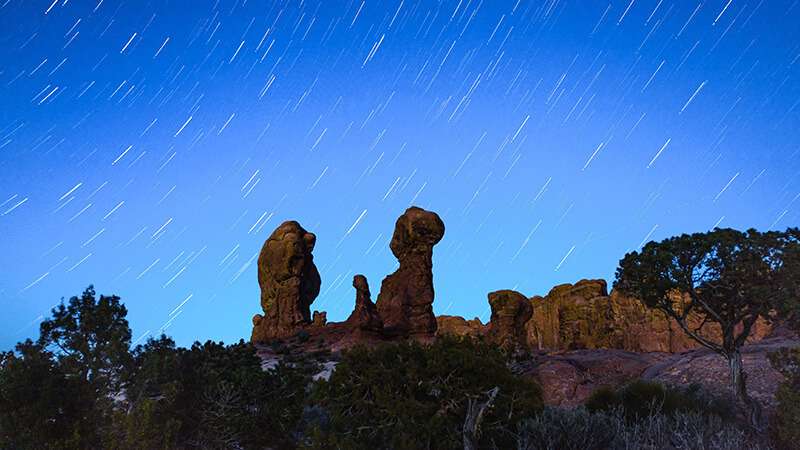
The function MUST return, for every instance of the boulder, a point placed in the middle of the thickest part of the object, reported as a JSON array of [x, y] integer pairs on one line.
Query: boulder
[[289, 282], [510, 312], [406, 296]]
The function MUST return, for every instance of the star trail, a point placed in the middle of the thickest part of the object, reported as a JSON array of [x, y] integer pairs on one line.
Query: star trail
[[150, 147]]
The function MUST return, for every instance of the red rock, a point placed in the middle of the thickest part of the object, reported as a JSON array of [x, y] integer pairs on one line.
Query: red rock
[[584, 315], [510, 312], [319, 319], [364, 317], [459, 326], [406, 297], [569, 378], [289, 282]]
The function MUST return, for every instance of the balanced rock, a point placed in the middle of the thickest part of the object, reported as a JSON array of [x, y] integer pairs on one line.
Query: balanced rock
[[406, 297], [364, 317], [510, 312], [289, 282]]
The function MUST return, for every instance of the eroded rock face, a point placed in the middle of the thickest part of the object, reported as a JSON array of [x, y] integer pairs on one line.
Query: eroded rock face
[[406, 297], [364, 317], [585, 316], [289, 282], [459, 326], [510, 312]]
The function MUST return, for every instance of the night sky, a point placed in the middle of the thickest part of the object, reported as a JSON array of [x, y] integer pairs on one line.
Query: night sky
[[149, 148]]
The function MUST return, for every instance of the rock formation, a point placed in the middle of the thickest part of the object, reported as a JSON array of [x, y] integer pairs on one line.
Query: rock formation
[[406, 296], [585, 316], [289, 282], [459, 326], [319, 319], [364, 317], [510, 312]]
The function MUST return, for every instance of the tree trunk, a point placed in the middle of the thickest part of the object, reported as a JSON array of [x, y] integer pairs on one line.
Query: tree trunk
[[472, 423], [752, 408]]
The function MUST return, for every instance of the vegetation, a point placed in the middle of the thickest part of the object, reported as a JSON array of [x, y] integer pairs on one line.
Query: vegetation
[[787, 418], [731, 278], [640, 398], [579, 429], [80, 387], [410, 396]]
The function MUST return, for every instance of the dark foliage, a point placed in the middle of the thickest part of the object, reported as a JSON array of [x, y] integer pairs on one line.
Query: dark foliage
[[210, 396], [80, 387], [787, 418], [641, 398], [410, 396], [42, 406]]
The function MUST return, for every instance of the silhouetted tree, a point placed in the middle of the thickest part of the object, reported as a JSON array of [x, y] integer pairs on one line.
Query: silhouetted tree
[[730, 277], [208, 396], [40, 405]]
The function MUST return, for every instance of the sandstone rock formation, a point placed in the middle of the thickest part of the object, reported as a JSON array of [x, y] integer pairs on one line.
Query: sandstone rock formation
[[364, 317], [319, 319], [510, 312], [585, 316], [406, 296], [459, 326], [289, 282]]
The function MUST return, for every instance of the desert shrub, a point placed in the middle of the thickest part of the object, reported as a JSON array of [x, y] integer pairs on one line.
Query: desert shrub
[[579, 429], [209, 396], [643, 398], [567, 429], [787, 417], [410, 396]]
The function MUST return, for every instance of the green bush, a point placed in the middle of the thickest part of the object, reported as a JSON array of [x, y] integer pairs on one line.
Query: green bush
[[411, 396], [209, 396], [787, 417], [644, 398]]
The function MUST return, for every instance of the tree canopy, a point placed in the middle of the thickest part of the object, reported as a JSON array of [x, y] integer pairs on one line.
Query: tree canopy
[[731, 278]]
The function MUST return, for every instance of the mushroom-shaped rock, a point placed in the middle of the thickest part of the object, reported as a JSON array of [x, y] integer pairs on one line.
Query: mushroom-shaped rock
[[289, 282], [510, 312], [406, 297], [365, 315]]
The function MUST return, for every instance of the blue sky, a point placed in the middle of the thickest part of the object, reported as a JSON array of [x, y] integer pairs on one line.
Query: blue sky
[[149, 148]]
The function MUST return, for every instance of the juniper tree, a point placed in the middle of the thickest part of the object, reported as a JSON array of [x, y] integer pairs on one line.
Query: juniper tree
[[730, 278]]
